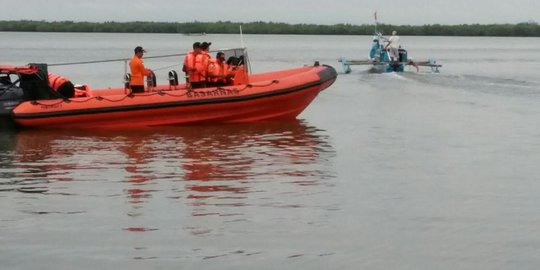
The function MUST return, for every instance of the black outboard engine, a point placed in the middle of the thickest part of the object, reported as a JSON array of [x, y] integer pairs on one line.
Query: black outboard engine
[[402, 55], [10, 94], [17, 87]]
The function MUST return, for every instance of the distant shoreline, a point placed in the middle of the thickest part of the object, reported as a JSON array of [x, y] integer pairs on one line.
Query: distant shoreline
[[526, 29]]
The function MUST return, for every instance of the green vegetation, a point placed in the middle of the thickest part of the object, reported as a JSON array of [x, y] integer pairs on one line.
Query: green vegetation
[[527, 29]]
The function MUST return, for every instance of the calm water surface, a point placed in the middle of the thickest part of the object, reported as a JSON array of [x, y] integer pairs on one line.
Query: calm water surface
[[382, 171]]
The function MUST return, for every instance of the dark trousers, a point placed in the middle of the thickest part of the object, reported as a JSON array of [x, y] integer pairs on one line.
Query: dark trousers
[[198, 84], [137, 89]]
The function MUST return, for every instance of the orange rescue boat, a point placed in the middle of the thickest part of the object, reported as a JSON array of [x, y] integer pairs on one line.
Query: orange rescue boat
[[268, 96]]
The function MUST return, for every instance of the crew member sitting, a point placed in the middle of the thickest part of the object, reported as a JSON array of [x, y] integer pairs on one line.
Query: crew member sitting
[[240, 73], [61, 85], [218, 71]]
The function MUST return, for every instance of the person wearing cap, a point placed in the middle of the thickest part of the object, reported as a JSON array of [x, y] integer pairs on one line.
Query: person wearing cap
[[219, 73], [138, 71], [393, 46], [194, 73], [203, 60]]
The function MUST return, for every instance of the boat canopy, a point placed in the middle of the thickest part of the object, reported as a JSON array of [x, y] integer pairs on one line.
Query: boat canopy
[[237, 57]]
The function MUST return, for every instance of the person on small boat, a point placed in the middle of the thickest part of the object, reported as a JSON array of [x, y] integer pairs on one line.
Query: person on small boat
[[195, 75], [374, 53], [61, 85], [219, 73], [138, 71], [393, 46]]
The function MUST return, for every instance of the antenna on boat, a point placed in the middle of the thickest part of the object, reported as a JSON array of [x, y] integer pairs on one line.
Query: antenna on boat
[[241, 38], [244, 50], [376, 22], [377, 33]]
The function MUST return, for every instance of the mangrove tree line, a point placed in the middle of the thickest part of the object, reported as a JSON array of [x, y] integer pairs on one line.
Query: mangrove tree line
[[526, 29]]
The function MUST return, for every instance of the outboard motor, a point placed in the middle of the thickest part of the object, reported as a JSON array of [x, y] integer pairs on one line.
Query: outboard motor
[[10, 95], [402, 55], [16, 87]]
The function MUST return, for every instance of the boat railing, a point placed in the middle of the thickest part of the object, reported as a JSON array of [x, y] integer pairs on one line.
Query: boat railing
[[236, 52]]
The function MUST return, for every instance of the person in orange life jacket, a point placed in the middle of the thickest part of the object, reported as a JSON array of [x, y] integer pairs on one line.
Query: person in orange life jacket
[[240, 75], [193, 75], [138, 71], [219, 73], [61, 85], [203, 60]]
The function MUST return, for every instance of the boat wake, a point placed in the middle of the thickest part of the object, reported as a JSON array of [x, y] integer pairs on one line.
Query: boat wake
[[484, 84]]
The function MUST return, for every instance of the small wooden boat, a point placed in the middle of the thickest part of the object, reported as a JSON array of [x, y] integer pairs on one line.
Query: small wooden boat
[[274, 95]]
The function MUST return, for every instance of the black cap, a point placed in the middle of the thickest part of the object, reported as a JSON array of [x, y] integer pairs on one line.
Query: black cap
[[139, 49], [205, 45]]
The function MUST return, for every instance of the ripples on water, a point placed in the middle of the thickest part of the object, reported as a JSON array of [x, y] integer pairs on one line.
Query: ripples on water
[[177, 181], [389, 171]]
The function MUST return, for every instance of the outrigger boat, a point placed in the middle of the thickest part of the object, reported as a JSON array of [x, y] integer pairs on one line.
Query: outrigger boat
[[282, 94], [380, 61]]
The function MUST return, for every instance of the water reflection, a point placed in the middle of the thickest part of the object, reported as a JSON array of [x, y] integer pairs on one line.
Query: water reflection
[[222, 165], [212, 169]]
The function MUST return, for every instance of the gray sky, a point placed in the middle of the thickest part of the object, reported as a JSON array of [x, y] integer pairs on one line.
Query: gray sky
[[413, 12]]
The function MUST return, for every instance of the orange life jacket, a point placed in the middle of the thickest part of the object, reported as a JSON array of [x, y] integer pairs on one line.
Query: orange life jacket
[[195, 66], [240, 76], [201, 64], [56, 81], [217, 69]]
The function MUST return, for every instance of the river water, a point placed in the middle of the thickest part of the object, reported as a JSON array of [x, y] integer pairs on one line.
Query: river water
[[382, 171]]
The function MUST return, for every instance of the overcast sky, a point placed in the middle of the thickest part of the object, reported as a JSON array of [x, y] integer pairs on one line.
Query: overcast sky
[[399, 12]]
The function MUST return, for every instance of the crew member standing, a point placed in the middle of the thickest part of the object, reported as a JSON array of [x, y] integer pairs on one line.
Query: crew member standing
[[138, 71], [194, 73], [202, 62]]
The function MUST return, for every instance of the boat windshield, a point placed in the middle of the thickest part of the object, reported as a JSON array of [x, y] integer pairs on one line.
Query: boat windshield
[[237, 57]]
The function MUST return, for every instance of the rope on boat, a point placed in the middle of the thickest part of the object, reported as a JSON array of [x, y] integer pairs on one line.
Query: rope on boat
[[158, 92]]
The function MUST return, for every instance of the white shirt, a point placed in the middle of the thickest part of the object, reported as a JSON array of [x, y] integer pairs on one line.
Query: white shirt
[[394, 42]]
